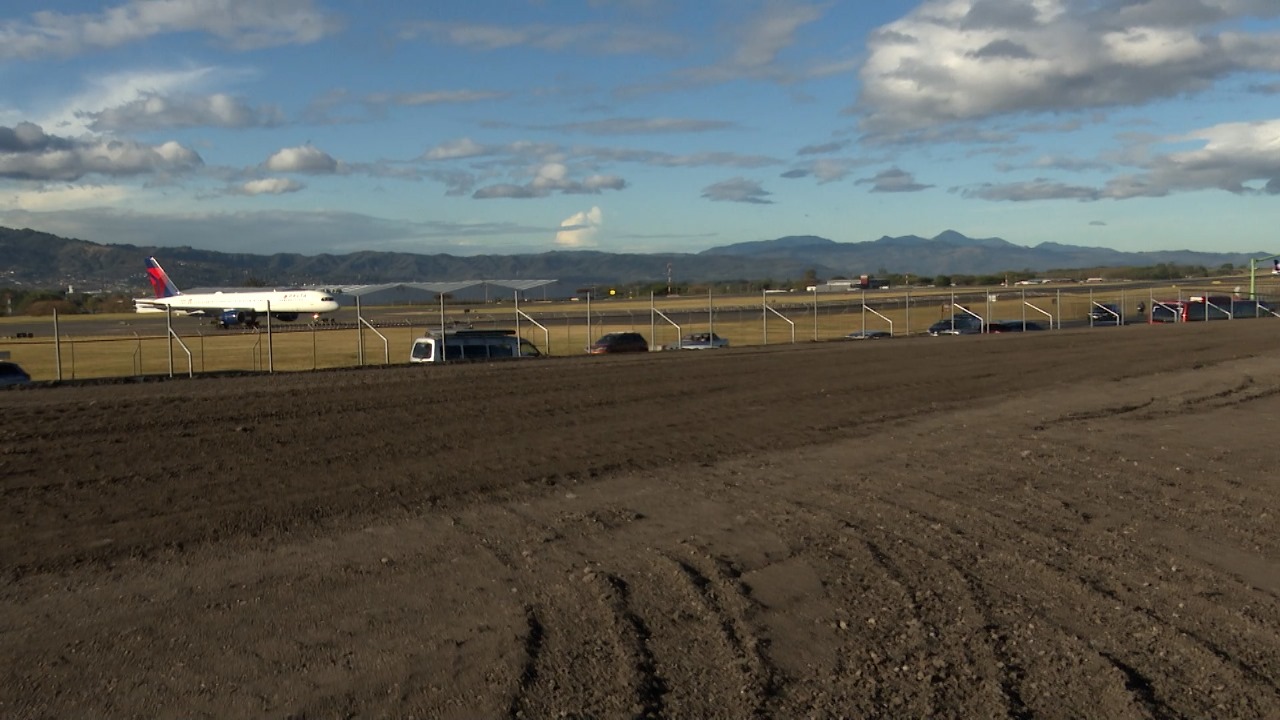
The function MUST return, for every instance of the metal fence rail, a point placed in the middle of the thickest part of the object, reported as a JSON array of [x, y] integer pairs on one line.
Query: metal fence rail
[[76, 347]]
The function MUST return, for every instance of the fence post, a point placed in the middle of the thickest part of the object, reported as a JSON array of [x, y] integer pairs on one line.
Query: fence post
[[271, 361], [57, 344], [168, 334], [908, 310], [815, 312], [764, 317]]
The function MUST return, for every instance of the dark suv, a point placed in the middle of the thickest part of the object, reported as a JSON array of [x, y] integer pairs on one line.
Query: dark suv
[[1105, 314], [11, 373], [619, 342], [957, 325]]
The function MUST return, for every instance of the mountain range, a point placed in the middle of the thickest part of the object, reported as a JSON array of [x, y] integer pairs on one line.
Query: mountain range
[[29, 258]]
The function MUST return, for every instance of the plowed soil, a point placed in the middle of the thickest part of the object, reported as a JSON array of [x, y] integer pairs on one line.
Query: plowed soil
[[1067, 524]]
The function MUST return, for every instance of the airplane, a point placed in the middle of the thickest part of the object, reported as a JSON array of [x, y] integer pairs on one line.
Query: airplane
[[231, 307]]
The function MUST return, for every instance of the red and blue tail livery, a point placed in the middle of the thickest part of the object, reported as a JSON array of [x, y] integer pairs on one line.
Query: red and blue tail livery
[[159, 280]]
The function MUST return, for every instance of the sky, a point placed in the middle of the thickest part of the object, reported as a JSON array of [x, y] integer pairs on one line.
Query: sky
[[653, 126]]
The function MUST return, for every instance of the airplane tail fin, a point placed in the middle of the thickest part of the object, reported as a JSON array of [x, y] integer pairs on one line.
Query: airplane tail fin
[[1275, 270], [160, 281]]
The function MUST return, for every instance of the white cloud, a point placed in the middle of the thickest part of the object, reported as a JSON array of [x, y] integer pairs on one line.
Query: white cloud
[[63, 197], [28, 153], [758, 42], [153, 111], [1241, 158], [826, 170], [550, 178], [609, 39], [455, 149], [580, 229], [240, 24], [1233, 157], [118, 89], [269, 186], [962, 60], [302, 159], [642, 126], [737, 190], [893, 180], [438, 97]]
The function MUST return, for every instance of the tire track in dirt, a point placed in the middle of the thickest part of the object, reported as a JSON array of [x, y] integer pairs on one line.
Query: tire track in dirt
[[666, 536]]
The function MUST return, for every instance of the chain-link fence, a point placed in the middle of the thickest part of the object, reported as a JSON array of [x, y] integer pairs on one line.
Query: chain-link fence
[[80, 347]]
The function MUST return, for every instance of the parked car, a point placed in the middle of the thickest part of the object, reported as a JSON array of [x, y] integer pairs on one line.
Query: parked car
[[699, 341], [11, 373], [1103, 313], [957, 325], [454, 345], [1004, 326], [619, 342], [869, 334]]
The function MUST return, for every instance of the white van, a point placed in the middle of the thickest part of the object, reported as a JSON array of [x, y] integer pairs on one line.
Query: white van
[[482, 345]]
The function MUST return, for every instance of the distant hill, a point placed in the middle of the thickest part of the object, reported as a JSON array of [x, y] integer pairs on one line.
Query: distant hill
[[29, 258], [953, 253]]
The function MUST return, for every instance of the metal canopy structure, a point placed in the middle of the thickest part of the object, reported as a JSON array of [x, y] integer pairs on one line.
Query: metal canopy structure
[[423, 291], [437, 287]]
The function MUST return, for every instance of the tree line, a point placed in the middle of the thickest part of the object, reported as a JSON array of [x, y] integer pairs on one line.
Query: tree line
[[39, 302]]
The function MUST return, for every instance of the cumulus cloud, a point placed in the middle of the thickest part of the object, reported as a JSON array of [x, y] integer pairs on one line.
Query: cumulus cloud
[[737, 190], [961, 60], [1232, 157], [1241, 158], [302, 159], [28, 153], [551, 178], [893, 180], [269, 186], [239, 24], [153, 111], [580, 229]]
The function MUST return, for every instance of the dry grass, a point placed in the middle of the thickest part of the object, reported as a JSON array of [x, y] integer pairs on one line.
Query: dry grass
[[741, 319]]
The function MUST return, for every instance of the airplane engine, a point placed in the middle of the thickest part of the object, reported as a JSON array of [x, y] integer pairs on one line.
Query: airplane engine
[[237, 317], [287, 317]]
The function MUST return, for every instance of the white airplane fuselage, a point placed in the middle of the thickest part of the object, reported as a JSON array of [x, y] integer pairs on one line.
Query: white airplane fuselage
[[261, 301]]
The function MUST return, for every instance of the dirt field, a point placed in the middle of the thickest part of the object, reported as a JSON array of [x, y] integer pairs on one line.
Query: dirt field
[[1069, 524]]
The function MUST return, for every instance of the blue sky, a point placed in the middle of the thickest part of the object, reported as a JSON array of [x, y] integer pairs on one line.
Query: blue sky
[[522, 126]]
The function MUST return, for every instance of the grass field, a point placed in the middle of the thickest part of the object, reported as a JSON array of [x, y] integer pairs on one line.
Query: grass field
[[741, 319]]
